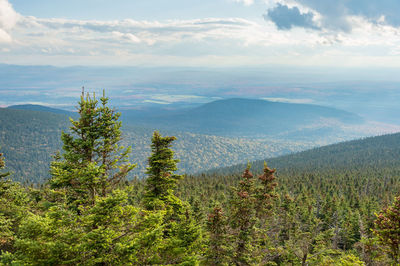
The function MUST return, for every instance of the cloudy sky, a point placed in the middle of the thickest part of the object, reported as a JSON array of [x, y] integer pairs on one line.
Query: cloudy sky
[[201, 32]]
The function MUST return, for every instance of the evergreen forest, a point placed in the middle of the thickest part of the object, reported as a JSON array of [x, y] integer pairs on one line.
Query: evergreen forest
[[335, 205]]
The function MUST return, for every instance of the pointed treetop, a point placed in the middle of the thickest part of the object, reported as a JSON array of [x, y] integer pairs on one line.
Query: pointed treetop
[[2, 165], [247, 174]]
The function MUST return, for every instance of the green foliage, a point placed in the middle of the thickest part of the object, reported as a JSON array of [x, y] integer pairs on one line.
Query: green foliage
[[387, 229], [243, 218], [162, 180], [2, 166], [93, 163], [13, 204], [110, 232], [87, 215], [182, 236], [28, 139], [250, 208], [218, 248]]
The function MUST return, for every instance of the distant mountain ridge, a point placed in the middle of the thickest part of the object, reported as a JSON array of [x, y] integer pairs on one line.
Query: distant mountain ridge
[[239, 117], [252, 118], [36, 107]]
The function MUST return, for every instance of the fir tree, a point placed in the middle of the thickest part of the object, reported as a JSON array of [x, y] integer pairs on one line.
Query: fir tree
[[2, 166], [14, 204], [217, 251], [265, 193], [243, 219], [387, 229], [182, 236], [6, 234], [162, 180], [113, 157], [93, 163]]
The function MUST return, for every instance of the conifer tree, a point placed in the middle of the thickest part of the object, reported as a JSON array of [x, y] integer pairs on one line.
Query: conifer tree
[[14, 204], [162, 180], [2, 166], [93, 162], [182, 237], [266, 192], [387, 229], [244, 218], [112, 156], [217, 251], [5, 222]]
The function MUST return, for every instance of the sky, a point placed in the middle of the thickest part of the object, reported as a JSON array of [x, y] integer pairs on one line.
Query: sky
[[201, 33]]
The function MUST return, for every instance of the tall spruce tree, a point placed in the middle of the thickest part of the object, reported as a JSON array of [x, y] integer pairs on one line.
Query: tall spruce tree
[[265, 193], [162, 180], [93, 162], [243, 219], [182, 237]]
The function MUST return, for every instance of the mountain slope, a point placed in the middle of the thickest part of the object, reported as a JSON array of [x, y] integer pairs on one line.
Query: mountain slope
[[366, 170], [29, 139], [35, 107], [376, 152], [254, 118]]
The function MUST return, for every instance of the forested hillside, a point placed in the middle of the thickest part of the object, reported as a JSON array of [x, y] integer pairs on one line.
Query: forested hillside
[[335, 191], [342, 211], [378, 152], [29, 138], [35, 107]]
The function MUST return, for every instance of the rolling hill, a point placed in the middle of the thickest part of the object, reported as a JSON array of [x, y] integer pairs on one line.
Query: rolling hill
[[253, 118], [29, 138], [36, 107]]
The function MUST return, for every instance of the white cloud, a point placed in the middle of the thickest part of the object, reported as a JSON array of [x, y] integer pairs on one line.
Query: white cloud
[[156, 102], [288, 100], [197, 42], [4, 37], [167, 99], [8, 19], [126, 37], [245, 2]]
